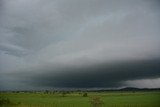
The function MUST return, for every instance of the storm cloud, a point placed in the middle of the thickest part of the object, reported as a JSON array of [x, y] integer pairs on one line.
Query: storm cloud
[[79, 43]]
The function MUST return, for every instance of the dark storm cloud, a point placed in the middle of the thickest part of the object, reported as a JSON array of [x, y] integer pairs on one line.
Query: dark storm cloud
[[99, 75], [79, 43]]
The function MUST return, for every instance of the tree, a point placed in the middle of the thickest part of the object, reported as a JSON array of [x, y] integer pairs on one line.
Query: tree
[[64, 94], [46, 91], [85, 95]]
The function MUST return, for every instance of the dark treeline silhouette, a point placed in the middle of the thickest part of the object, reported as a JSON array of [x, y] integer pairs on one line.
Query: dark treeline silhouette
[[85, 90]]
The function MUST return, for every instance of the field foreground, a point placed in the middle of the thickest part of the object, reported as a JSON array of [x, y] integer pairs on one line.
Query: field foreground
[[79, 99]]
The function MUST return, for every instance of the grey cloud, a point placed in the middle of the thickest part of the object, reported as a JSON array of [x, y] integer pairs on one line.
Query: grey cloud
[[12, 50], [99, 75], [62, 39], [147, 83]]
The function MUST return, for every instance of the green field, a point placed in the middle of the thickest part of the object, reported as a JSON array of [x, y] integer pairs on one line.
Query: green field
[[76, 99]]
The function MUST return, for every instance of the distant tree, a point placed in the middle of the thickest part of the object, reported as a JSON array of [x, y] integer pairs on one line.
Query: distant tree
[[64, 94], [46, 91], [80, 93], [85, 95]]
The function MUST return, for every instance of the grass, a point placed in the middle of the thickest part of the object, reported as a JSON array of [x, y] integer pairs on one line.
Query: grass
[[109, 99]]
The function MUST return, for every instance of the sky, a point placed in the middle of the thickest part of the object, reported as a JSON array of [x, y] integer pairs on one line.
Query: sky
[[47, 44]]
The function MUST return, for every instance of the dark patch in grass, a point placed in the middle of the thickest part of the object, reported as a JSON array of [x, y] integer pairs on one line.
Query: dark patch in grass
[[6, 101]]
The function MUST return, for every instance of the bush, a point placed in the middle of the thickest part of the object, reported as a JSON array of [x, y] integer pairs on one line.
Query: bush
[[46, 92], [85, 95], [96, 102], [64, 94]]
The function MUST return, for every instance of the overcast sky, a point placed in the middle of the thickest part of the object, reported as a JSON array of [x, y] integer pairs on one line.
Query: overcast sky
[[48, 44]]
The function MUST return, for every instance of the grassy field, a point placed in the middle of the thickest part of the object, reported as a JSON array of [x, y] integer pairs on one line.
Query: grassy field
[[76, 99]]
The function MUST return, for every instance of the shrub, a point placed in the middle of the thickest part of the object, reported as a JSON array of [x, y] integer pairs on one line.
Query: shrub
[[85, 95], [46, 92], [96, 102], [64, 94]]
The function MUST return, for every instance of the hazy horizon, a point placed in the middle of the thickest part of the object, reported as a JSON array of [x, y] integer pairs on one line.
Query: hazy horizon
[[47, 44]]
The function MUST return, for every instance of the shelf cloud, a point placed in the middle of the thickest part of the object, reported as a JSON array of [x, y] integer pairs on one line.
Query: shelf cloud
[[79, 44]]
